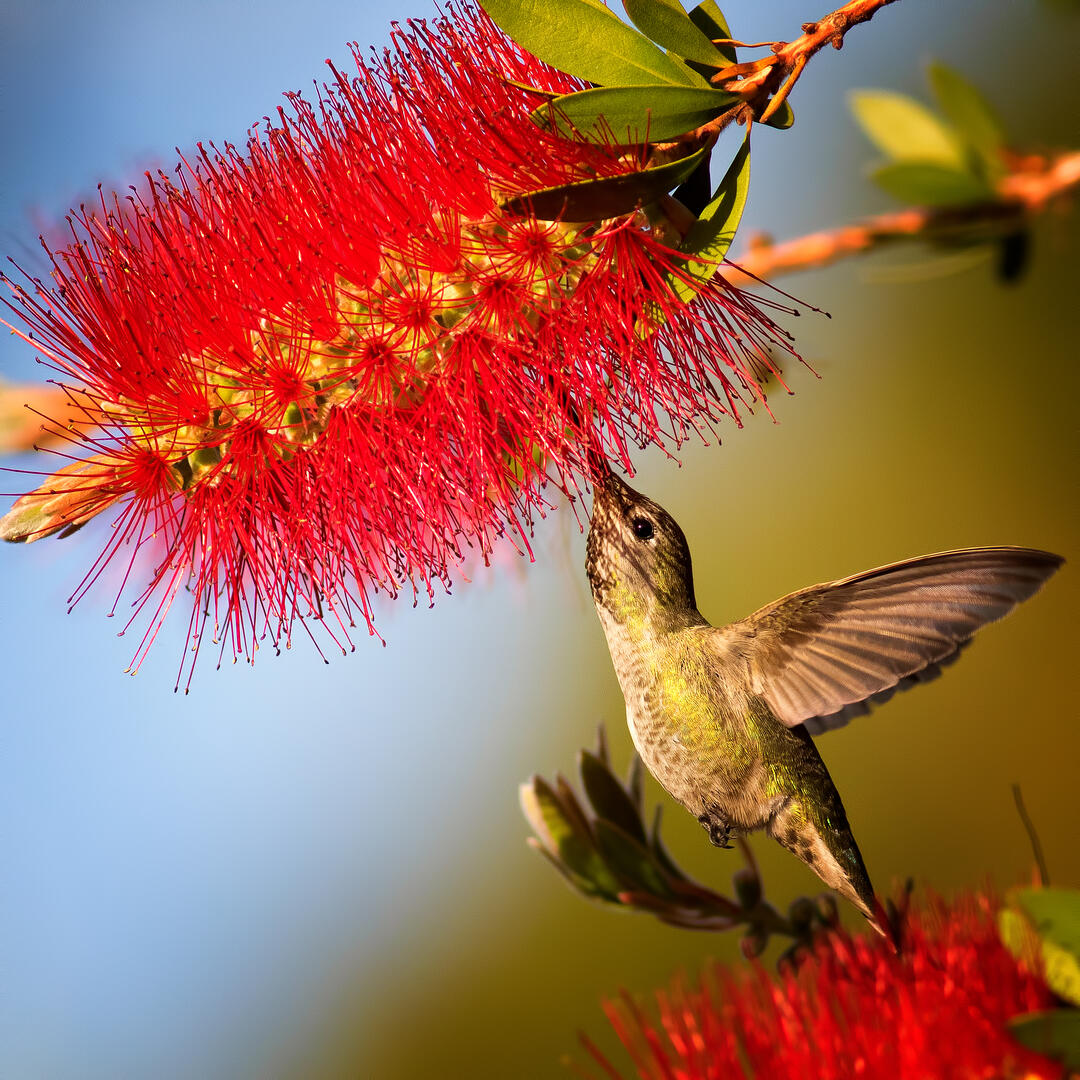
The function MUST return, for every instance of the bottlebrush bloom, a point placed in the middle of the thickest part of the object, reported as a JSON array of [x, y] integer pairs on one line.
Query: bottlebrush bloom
[[330, 363], [853, 1008]]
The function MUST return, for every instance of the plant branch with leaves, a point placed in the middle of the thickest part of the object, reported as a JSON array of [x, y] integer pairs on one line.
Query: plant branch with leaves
[[606, 852]]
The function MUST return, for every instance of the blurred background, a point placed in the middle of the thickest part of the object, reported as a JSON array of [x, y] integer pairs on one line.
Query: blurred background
[[320, 871]]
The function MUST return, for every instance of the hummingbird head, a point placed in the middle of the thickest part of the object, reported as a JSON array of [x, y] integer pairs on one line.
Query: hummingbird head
[[636, 556]]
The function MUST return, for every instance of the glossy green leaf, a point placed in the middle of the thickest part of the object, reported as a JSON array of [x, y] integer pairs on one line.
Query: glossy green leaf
[[783, 118], [967, 111], [629, 860], [905, 130], [698, 73], [666, 23], [634, 114], [711, 235], [605, 197], [709, 19], [1055, 1034], [927, 183], [584, 38], [608, 798]]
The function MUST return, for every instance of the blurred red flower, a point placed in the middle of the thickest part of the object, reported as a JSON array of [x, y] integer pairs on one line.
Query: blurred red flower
[[330, 363], [854, 1008]]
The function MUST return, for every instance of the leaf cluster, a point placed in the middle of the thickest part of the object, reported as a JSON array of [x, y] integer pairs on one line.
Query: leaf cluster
[[950, 159], [650, 81], [603, 848], [1042, 928]]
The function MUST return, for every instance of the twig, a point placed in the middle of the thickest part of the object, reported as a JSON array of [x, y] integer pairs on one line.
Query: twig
[[1024, 193], [779, 74], [764, 84], [1033, 837]]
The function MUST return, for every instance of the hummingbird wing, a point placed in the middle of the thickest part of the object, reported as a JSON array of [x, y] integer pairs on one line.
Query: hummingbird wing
[[825, 654]]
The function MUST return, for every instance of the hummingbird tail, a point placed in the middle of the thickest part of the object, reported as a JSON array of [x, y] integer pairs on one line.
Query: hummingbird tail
[[829, 849]]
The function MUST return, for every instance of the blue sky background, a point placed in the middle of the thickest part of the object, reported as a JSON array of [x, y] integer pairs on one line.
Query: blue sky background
[[310, 870]]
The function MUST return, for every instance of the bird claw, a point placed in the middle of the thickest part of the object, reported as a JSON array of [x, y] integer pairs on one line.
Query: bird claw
[[718, 829]]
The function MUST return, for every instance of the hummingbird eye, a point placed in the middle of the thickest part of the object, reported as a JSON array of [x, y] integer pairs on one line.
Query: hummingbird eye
[[643, 528]]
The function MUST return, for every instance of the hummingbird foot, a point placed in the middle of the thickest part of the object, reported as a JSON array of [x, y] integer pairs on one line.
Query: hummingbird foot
[[718, 829]]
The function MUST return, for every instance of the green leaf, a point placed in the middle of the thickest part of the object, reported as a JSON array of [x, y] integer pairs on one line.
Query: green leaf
[[660, 853], [698, 73], [1019, 937], [783, 118], [973, 119], [709, 19], [927, 183], [558, 835], [711, 235], [1054, 915], [584, 38], [634, 114], [629, 860], [605, 197], [635, 784], [905, 130], [666, 23], [64, 503], [1055, 1034], [608, 798]]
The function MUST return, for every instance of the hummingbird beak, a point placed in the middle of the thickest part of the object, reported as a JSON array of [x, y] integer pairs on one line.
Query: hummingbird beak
[[608, 495]]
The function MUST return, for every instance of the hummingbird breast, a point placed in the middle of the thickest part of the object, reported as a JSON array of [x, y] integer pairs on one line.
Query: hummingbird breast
[[696, 730]]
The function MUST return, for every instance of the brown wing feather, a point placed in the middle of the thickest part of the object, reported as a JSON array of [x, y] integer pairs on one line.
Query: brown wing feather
[[824, 654]]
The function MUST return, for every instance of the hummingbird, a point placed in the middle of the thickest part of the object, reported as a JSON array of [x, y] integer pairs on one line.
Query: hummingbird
[[723, 716]]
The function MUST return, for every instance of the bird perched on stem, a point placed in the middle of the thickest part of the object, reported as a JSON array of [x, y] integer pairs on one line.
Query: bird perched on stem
[[723, 716]]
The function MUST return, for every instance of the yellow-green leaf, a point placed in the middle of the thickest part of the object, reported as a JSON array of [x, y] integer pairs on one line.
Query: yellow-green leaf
[[905, 130], [634, 114], [563, 841], [973, 119], [709, 19], [666, 23], [783, 118], [711, 235], [1054, 918], [584, 38]]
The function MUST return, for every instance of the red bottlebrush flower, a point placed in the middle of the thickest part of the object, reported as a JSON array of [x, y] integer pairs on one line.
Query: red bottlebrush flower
[[854, 1008], [328, 364]]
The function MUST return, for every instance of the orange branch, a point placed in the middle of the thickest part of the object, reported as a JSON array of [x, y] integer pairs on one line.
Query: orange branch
[[764, 84], [1024, 193]]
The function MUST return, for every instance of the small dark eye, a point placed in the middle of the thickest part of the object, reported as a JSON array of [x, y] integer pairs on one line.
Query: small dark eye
[[642, 527]]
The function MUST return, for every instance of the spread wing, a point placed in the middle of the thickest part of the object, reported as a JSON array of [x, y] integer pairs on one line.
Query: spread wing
[[824, 654]]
